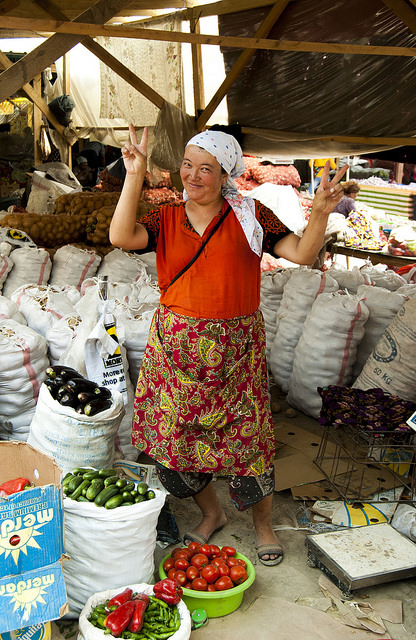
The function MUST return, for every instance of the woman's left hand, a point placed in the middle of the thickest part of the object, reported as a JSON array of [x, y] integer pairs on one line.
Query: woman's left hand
[[329, 192]]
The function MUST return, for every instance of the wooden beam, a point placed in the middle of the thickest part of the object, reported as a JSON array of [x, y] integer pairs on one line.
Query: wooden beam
[[244, 57], [53, 48], [88, 29], [37, 122], [223, 8], [404, 12], [197, 70], [33, 96], [290, 136], [103, 55], [8, 5]]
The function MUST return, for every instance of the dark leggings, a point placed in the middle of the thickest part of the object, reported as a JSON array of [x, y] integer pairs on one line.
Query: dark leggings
[[245, 491]]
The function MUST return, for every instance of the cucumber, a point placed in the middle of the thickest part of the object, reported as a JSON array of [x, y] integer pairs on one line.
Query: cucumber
[[142, 487], [149, 495], [127, 497], [105, 494], [79, 471], [78, 491], [91, 475], [121, 483], [74, 483], [110, 480], [105, 473], [83, 499], [94, 489], [113, 502]]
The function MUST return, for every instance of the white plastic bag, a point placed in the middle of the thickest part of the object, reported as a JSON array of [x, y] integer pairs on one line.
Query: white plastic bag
[[108, 546], [73, 439], [88, 632]]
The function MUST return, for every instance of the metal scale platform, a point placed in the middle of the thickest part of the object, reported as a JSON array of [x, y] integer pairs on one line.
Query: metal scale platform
[[362, 556]]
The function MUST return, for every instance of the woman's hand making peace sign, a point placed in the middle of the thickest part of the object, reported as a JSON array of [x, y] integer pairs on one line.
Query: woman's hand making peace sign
[[329, 192], [135, 154]]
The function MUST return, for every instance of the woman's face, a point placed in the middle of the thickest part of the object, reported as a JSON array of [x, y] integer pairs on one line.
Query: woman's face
[[201, 175]]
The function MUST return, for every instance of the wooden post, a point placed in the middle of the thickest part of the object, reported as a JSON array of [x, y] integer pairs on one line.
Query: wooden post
[[37, 122], [197, 70], [66, 86], [399, 168]]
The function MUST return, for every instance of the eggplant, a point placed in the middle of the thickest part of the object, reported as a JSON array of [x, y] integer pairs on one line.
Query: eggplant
[[58, 370], [96, 406], [80, 384], [52, 387], [69, 400], [103, 392]]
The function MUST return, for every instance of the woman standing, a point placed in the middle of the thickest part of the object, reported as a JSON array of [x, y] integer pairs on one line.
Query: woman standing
[[201, 405]]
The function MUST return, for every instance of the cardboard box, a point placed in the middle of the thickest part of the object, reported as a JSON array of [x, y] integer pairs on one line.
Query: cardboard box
[[32, 586], [31, 521], [8, 187], [32, 598], [35, 632]]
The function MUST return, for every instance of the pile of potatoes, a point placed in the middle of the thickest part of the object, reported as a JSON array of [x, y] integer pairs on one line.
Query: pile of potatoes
[[82, 217]]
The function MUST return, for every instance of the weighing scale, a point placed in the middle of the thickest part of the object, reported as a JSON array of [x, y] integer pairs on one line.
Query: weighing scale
[[362, 556]]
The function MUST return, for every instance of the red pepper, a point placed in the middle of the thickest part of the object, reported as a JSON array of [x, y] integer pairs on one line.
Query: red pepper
[[119, 619], [141, 600], [170, 591], [121, 598], [13, 486]]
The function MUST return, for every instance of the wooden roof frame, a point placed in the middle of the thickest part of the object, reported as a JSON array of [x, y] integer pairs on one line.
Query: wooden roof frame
[[95, 22]]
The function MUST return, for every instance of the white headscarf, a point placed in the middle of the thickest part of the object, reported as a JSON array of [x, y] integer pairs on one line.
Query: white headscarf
[[229, 155]]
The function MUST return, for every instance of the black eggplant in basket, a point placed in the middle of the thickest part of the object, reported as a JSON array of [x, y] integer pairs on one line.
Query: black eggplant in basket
[[59, 370]]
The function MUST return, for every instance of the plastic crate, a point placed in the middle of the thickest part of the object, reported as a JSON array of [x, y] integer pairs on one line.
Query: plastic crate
[[360, 464]]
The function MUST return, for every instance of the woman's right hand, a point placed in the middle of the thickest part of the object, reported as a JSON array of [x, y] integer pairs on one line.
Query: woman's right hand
[[134, 154]]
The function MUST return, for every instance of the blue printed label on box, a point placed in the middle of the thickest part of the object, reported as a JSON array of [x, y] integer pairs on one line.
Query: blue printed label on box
[[32, 598], [31, 529]]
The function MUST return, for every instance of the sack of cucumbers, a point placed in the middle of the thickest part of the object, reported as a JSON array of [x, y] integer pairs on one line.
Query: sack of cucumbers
[[71, 389], [104, 488]]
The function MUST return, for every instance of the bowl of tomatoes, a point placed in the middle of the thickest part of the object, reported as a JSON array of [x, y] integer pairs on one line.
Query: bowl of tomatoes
[[212, 578]]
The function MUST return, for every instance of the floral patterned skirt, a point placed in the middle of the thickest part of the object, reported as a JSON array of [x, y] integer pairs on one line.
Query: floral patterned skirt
[[201, 401]]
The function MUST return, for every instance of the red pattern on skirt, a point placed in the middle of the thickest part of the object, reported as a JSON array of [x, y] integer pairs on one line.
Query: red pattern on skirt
[[201, 401]]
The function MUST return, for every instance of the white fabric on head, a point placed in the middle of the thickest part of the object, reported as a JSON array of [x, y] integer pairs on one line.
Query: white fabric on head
[[229, 155]]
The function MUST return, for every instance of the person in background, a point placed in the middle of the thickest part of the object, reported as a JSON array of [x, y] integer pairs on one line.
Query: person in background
[[346, 204], [83, 172], [201, 406], [318, 165], [94, 151]]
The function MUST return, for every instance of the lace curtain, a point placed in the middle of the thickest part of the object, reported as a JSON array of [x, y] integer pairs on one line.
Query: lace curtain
[[159, 64]]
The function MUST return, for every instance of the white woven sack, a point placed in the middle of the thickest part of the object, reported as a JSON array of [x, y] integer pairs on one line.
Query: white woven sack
[[16, 427], [135, 325], [120, 266], [382, 305], [392, 363], [6, 265], [329, 360], [86, 631], [108, 546], [409, 290], [73, 439], [23, 363], [300, 292], [380, 276], [71, 266], [42, 306], [60, 335], [30, 266], [9, 309], [272, 284], [348, 279], [149, 260]]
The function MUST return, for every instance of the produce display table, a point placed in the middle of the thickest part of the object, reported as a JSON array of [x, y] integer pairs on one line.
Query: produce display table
[[376, 257]]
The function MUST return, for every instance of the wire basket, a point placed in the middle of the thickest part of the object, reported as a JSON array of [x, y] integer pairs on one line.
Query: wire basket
[[361, 464]]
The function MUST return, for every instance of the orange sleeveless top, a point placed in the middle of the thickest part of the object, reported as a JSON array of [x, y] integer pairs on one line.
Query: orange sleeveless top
[[224, 281]]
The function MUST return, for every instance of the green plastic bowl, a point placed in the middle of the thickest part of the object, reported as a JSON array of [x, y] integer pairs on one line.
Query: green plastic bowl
[[215, 603]]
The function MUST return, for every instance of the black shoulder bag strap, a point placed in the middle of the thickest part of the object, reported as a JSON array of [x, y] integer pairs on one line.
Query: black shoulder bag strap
[[201, 248]]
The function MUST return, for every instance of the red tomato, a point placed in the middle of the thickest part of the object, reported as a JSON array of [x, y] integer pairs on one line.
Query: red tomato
[[193, 546], [188, 585], [171, 572], [180, 576], [199, 584], [230, 551], [205, 549], [217, 561], [223, 556], [199, 560], [168, 564], [210, 573], [224, 583], [224, 569], [214, 550], [238, 574], [183, 553], [234, 562], [175, 551], [211, 587], [192, 573], [181, 563]]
